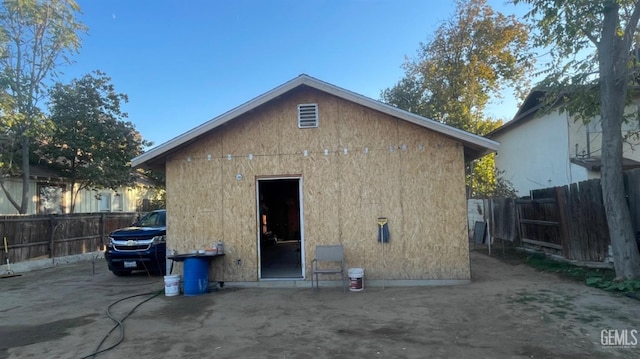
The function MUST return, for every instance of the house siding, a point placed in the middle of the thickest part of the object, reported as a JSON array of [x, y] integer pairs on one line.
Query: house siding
[[535, 154], [14, 187], [418, 187], [85, 203]]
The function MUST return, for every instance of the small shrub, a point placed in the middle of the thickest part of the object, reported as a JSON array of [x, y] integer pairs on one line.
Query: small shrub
[[625, 286], [567, 270]]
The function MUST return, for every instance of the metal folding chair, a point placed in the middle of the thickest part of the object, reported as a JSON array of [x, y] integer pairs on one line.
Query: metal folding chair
[[328, 260]]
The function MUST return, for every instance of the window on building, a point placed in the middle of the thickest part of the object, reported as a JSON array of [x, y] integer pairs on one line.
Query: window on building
[[104, 202], [50, 198], [117, 202]]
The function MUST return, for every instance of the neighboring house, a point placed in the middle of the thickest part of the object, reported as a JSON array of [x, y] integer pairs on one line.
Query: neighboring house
[[540, 149], [309, 163], [50, 194]]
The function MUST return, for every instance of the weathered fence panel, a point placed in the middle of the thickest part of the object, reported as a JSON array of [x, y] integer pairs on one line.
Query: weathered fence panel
[[632, 182], [500, 217], [581, 231], [567, 220], [503, 219], [587, 230], [48, 236], [539, 222]]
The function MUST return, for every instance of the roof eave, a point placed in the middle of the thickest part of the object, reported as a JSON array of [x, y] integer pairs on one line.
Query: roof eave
[[213, 123], [468, 140]]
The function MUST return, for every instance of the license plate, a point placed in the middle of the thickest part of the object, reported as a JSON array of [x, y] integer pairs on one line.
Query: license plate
[[130, 264]]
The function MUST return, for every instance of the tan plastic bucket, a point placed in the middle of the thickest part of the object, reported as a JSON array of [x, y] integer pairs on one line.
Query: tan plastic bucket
[[172, 285], [356, 282]]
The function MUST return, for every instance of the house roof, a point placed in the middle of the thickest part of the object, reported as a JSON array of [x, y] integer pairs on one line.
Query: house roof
[[45, 172], [474, 146], [527, 111]]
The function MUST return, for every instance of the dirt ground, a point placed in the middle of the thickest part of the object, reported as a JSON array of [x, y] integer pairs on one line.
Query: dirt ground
[[508, 311]]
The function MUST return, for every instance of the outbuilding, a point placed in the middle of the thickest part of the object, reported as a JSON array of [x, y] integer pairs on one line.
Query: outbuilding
[[309, 163]]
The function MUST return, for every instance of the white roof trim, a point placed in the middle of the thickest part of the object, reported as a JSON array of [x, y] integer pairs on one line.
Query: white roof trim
[[466, 137]]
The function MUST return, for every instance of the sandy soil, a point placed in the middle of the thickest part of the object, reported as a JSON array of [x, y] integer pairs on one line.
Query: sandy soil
[[509, 311]]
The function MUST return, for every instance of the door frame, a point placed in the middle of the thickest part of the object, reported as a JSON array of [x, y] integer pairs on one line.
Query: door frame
[[301, 214]]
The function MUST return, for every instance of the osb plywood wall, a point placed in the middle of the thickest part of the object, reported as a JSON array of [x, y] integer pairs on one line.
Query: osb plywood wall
[[418, 185]]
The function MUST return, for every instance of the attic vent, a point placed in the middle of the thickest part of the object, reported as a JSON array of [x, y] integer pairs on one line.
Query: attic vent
[[308, 115]]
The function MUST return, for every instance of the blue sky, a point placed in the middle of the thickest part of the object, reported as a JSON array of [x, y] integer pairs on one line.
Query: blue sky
[[183, 63]]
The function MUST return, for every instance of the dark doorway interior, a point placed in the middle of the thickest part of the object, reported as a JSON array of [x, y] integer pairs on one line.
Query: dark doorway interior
[[280, 249]]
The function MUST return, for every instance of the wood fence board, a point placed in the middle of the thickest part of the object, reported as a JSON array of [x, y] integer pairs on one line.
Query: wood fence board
[[575, 242], [540, 223], [541, 243], [589, 231], [539, 220], [565, 225], [600, 239], [543, 193], [632, 182], [538, 200], [503, 219]]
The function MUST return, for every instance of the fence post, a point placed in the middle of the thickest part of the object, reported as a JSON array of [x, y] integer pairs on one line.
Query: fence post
[[52, 229], [102, 219], [491, 228], [564, 221]]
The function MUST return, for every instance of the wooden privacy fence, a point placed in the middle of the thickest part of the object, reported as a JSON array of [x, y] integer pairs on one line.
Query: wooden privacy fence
[[500, 216], [48, 236], [539, 223], [503, 219], [574, 221], [569, 221]]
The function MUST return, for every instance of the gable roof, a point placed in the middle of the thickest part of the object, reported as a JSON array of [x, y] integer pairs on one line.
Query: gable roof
[[527, 111], [44, 172], [474, 146]]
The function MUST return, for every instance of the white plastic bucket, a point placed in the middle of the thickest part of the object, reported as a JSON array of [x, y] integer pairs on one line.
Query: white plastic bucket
[[356, 283], [171, 285]]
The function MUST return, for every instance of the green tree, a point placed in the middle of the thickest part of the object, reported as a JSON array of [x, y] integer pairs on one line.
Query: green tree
[[473, 57], [91, 143], [607, 31], [36, 36], [483, 179]]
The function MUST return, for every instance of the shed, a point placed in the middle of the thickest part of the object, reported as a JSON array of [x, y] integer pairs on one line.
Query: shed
[[310, 163]]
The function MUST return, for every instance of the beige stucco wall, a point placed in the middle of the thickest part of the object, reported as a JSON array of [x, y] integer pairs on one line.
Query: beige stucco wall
[[419, 187]]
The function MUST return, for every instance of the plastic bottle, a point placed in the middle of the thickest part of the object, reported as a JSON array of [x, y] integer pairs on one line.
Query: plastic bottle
[[220, 247]]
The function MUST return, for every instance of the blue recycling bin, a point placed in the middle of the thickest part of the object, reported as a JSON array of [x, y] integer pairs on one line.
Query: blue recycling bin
[[196, 276], [195, 271]]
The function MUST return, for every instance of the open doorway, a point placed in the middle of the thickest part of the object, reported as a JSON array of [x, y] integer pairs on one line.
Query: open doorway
[[280, 228]]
